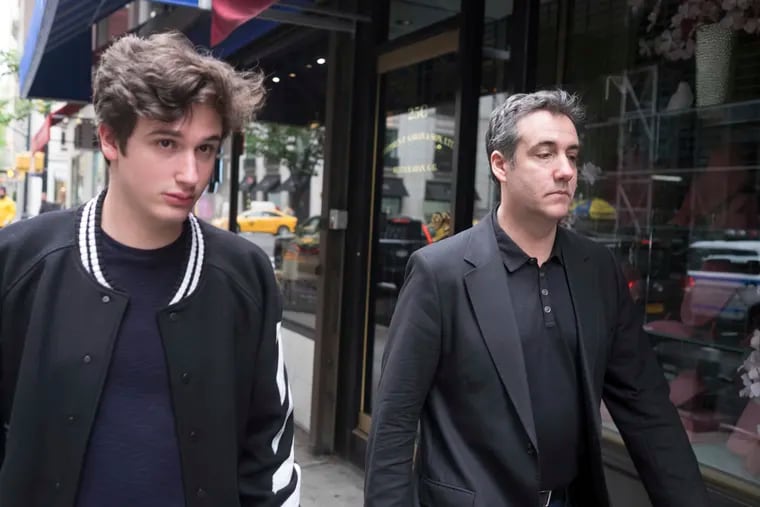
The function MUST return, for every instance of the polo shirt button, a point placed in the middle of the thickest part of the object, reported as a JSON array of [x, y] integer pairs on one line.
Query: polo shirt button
[[544, 292], [87, 359], [193, 435], [547, 309], [71, 418], [201, 493], [57, 485], [185, 378], [106, 298], [173, 316]]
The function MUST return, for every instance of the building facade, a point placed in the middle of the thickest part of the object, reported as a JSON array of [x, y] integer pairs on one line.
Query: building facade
[[373, 138]]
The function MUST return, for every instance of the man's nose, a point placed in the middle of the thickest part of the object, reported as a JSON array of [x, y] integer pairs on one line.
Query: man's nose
[[566, 169], [187, 173]]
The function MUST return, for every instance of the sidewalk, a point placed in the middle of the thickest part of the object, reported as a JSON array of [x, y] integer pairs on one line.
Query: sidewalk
[[327, 481]]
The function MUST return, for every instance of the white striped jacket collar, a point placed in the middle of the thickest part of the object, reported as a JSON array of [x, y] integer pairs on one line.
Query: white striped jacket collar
[[88, 250]]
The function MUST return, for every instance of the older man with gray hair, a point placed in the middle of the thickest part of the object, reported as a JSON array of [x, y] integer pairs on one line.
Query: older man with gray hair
[[506, 339]]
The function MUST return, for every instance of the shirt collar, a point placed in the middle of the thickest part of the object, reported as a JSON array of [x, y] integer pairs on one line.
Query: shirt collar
[[514, 256]]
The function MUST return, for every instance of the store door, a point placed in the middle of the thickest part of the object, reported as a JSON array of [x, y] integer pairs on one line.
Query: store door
[[414, 180]]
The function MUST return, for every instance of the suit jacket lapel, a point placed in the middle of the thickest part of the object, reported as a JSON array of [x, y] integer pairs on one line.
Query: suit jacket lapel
[[584, 293], [488, 290]]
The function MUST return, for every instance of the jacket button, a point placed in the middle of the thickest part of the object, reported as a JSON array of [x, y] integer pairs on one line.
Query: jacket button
[[57, 485], [87, 359], [106, 298], [185, 378], [193, 435], [201, 493], [71, 418], [173, 316]]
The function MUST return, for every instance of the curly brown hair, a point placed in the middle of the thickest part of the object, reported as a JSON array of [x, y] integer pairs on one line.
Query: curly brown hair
[[161, 76]]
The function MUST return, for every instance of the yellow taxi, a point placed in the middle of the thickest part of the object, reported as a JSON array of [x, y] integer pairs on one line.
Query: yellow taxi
[[266, 221]]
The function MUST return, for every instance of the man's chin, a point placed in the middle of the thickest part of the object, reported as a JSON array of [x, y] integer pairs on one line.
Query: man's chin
[[557, 214], [173, 214]]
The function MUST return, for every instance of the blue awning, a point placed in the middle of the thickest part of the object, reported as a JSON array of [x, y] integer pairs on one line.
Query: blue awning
[[57, 58]]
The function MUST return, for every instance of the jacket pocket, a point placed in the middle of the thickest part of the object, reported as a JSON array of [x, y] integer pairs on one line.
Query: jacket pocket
[[437, 494]]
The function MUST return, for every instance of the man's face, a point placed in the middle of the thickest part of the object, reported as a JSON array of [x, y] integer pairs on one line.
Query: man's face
[[166, 166], [2, 193], [542, 178]]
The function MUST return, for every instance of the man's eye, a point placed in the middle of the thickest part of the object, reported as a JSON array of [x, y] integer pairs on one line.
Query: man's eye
[[166, 143], [206, 148], [544, 156]]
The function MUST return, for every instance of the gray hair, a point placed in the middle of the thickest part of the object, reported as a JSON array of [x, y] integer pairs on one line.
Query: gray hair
[[503, 135]]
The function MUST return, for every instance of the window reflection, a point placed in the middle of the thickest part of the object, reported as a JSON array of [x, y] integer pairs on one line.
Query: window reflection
[[280, 205], [415, 188]]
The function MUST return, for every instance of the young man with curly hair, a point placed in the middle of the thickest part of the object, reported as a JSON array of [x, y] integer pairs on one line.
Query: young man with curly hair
[[141, 363]]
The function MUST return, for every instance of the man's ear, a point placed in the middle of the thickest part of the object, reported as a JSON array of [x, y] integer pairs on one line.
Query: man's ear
[[500, 166], [109, 145]]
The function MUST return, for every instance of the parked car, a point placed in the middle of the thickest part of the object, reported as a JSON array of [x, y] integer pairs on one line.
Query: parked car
[[398, 238], [297, 265], [270, 221], [722, 288]]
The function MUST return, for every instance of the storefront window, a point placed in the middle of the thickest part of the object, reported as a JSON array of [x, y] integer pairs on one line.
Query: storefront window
[[279, 210], [669, 180], [415, 193]]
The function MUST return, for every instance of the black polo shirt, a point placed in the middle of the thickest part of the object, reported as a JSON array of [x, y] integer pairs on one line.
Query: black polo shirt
[[546, 321]]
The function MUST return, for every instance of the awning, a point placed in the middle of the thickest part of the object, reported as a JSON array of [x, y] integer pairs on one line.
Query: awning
[[289, 185], [441, 191], [267, 183], [59, 45], [438, 191], [42, 136], [394, 187]]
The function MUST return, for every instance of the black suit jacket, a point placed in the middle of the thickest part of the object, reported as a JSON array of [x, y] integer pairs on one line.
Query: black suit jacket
[[454, 364]]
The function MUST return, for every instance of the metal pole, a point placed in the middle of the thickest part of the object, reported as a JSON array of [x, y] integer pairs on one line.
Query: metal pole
[[235, 152], [44, 174], [25, 207]]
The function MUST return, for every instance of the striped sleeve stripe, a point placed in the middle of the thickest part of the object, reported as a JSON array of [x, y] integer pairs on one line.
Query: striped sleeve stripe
[[283, 476]]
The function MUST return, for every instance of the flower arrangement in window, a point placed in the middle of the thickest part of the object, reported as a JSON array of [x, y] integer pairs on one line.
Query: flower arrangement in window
[[745, 437], [750, 369], [677, 40]]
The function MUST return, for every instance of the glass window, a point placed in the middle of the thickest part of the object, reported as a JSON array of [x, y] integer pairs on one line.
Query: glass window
[[280, 205], [669, 181], [407, 16], [415, 193]]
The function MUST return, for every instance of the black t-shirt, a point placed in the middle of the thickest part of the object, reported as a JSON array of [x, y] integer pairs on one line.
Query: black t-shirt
[[133, 454]]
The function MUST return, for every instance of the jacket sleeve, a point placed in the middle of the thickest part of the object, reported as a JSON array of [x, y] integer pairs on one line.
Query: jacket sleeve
[[637, 396], [409, 364], [268, 473]]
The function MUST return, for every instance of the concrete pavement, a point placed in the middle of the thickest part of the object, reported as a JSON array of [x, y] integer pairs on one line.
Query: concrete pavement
[[327, 481]]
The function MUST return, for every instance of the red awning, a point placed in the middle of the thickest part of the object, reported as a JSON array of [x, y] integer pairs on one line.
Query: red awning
[[42, 136], [227, 15]]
